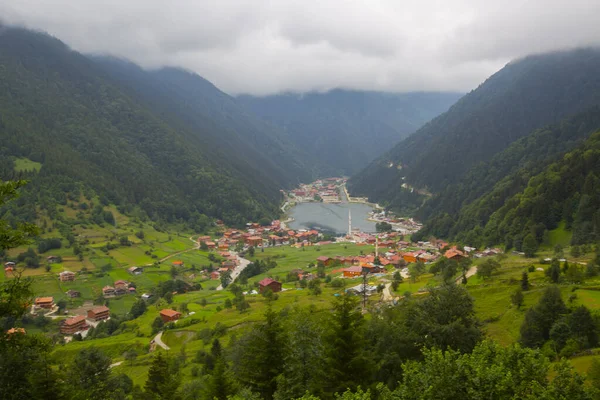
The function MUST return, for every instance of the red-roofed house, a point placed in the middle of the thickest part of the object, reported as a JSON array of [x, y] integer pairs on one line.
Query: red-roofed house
[[169, 315], [454, 254], [72, 325], [44, 302], [351, 272], [98, 313], [269, 283], [325, 260]]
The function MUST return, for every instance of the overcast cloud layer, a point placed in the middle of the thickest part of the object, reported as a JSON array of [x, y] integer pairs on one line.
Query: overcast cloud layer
[[264, 47]]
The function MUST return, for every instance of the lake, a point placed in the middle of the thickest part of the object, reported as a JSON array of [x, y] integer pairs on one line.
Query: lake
[[331, 217]]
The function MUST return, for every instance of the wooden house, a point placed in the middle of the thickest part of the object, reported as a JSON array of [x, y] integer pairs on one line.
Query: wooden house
[[66, 276], [169, 315], [98, 313], [44, 302], [269, 283], [73, 325]]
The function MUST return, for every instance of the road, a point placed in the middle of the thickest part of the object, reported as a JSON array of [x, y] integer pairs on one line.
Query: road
[[387, 294], [472, 271], [238, 270], [159, 342]]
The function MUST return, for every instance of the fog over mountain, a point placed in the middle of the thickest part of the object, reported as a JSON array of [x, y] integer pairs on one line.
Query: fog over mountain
[[289, 45]]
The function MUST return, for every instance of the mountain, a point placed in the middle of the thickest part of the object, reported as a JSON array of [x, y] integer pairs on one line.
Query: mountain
[[463, 210], [525, 95], [344, 130], [194, 104], [89, 134], [567, 190]]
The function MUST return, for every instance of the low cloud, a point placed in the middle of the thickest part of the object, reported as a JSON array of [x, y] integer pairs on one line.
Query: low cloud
[[264, 47]]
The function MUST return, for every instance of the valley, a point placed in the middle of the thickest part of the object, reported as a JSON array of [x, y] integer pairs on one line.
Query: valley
[[163, 239]]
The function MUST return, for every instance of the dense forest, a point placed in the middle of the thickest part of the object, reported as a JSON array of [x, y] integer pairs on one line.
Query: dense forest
[[526, 95], [80, 131], [567, 190], [462, 209], [344, 130]]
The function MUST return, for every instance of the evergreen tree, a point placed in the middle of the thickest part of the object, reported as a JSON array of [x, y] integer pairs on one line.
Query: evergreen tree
[[517, 298], [347, 364], [535, 330], [162, 382], [257, 356], [530, 245], [525, 281], [445, 319], [89, 374], [304, 357], [553, 272]]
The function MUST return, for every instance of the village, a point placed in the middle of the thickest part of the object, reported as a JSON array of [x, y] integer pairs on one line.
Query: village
[[389, 252], [323, 190]]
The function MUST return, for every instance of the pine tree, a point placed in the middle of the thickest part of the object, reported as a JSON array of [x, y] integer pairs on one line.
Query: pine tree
[[161, 381], [530, 245], [525, 281], [347, 363], [517, 298], [258, 358]]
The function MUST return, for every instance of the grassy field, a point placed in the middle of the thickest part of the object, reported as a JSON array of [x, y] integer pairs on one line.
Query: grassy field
[[206, 307], [25, 164]]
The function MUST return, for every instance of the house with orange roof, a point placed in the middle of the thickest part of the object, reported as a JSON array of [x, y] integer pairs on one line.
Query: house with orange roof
[[409, 257], [454, 254], [169, 315], [98, 313], [74, 325], [352, 272], [44, 302], [177, 263]]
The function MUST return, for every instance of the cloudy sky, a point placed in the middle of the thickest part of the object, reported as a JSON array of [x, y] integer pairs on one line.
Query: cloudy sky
[[269, 46]]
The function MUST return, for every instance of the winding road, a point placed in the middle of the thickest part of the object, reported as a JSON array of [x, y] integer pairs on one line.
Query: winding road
[[159, 342]]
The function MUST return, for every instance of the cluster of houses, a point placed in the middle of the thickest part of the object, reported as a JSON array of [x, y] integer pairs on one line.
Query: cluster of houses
[[404, 225], [80, 323], [231, 261], [405, 253], [327, 190], [259, 236], [119, 288]]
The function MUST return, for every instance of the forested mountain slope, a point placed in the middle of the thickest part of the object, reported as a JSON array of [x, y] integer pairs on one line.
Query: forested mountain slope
[[226, 130], [63, 110], [525, 95], [344, 130], [462, 209], [568, 190]]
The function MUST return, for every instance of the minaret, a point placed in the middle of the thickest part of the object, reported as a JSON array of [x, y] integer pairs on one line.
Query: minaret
[[349, 223], [376, 246]]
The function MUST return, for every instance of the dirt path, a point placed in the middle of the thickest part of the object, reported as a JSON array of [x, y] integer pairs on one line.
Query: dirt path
[[386, 295], [472, 271], [159, 342], [196, 247]]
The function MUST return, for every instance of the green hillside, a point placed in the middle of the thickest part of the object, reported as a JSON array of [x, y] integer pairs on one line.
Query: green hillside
[[524, 96], [344, 130], [462, 209], [568, 190], [64, 112]]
